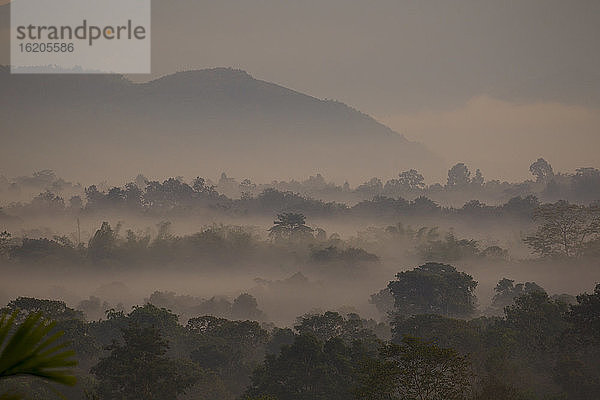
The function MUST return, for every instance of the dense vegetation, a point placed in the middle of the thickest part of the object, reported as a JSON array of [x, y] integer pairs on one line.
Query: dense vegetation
[[541, 346], [396, 309]]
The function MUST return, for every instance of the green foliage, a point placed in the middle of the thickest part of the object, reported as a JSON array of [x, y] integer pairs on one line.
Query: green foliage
[[585, 315], [565, 230], [102, 244], [279, 337], [463, 336], [542, 170], [434, 288], [332, 325], [537, 321], [459, 176], [31, 349], [245, 306], [307, 369], [349, 255], [384, 302], [289, 226], [45, 251], [417, 370], [231, 349], [449, 249], [5, 239], [140, 369], [579, 376], [495, 389], [507, 291], [52, 309]]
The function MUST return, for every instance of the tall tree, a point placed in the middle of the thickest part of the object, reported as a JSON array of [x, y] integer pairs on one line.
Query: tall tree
[[459, 176], [140, 369], [585, 315], [506, 291], [542, 170], [478, 179], [434, 288], [290, 226], [103, 243], [564, 229], [411, 179], [306, 369], [417, 370]]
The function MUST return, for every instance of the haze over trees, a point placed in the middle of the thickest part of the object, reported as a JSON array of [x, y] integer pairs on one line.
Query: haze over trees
[[222, 116], [203, 234], [291, 290]]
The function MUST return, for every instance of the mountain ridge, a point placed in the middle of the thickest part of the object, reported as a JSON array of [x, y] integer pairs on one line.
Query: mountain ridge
[[232, 121]]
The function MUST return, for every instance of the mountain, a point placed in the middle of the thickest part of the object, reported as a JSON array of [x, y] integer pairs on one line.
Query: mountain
[[191, 123]]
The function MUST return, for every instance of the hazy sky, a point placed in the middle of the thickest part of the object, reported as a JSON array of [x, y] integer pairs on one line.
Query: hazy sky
[[463, 77]]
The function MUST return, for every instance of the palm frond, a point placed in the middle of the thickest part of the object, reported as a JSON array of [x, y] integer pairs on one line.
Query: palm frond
[[31, 349]]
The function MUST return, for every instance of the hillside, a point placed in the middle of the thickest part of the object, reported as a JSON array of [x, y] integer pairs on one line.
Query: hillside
[[191, 123]]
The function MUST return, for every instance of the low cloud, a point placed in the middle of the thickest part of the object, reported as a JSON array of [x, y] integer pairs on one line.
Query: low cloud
[[503, 138]]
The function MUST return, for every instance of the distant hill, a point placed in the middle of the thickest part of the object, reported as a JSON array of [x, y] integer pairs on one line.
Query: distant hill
[[191, 123]]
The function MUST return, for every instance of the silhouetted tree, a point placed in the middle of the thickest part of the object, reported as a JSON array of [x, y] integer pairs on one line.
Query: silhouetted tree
[[306, 369], [245, 306], [411, 179], [459, 176], [542, 170], [506, 291], [290, 226], [434, 288], [103, 243], [417, 370], [478, 178], [565, 229], [585, 315], [140, 369]]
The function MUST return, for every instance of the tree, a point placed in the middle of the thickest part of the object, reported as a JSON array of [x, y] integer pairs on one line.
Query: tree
[[290, 226], [417, 370], [586, 183], [478, 178], [140, 369], [459, 334], [53, 309], [66, 320], [449, 249], [585, 315], [307, 369], [201, 187], [565, 229], [4, 243], [507, 291], [383, 301], [434, 288], [103, 243], [459, 176], [542, 170], [333, 325], [411, 179], [231, 349], [372, 187], [31, 348], [245, 306], [537, 321]]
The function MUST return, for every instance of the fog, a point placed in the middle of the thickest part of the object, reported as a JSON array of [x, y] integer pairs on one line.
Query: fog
[[325, 200], [500, 136], [211, 245], [448, 76]]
